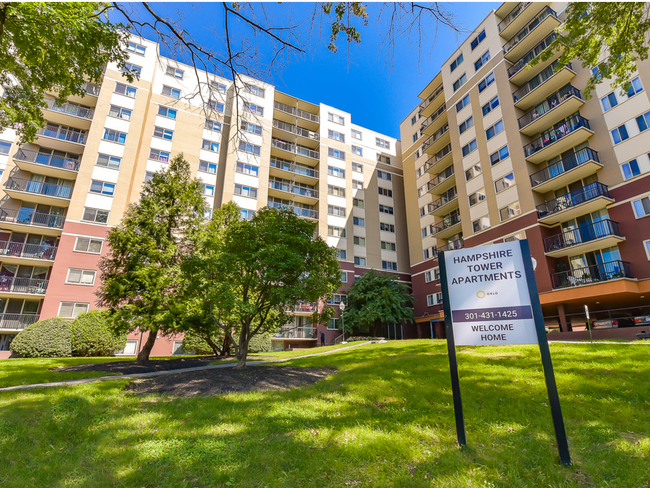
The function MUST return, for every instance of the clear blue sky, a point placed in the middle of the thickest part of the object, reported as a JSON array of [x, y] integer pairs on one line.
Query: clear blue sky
[[377, 89]]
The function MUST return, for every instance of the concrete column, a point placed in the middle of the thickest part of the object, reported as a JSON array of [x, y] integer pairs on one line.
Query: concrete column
[[565, 326]]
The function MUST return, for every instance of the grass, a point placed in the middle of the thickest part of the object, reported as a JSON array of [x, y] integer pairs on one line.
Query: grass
[[384, 420]]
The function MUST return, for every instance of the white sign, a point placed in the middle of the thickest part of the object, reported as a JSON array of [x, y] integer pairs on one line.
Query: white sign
[[489, 297]]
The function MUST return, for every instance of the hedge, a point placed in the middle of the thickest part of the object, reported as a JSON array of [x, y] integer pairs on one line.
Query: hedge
[[49, 338], [92, 335]]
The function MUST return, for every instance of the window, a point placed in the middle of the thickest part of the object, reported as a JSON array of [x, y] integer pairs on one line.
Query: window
[[335, 190], [609, 101], [207, 190], [216, 106], [341, 254], [208, 167], [250, 148], [212, 125], [630, 169], [95, 215], [515, 237], [505, 182], [414, 119], [357, 167], [357, 185], [132, 68], [119, 112], [388, 246], [642, 207], [336, 118], [509, 211], [107, 161], [482, 60], [333, 324], [468, 148], [500, 155], [102, 187], [643, 121], [357, 150], [384, 176], [255, 90], [335, 231], [156, 155], [71, 310], [386, 159], [359, 241], [359, 221], [432, 275], [463, 103], [148, 176], [357, 135], [460, 81], [252, 128], [476, 197], [415, 137], [167, 112], [434, 299], [88, 244], [494, 130], [472, 172], [426, 231], [389, 265], [81, 276], [386, 227], [337, 136], [466, 125], [386, 209], [336, 299], [245, 191], [481, 223], [247, 169], [335, 153], [358, 202], [5, 147], [334, 210], [478, 39], [385, 191], [254, 109], [331, 170], [487, 81], [126, 90], [171, 92], [620, 134], [344, 277], [359, 261], [175, 72], [635, 87], [135, 48], [210, 146], [491, 105], [454, 64], [163, 133], [646, 244], [382, 143], [114, 136], [247, 214], [219, 87]]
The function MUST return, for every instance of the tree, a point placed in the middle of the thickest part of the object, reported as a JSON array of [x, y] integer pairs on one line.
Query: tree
[[53, 47], [141, 277], [608, 37], [251, 272], [377, 297]]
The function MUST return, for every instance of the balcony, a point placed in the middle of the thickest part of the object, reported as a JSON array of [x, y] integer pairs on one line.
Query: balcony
[[300, 151], [516, 19], [585, 238], [47, 162], [541, 26], [22, 286], [306, 136], [542, 85], [23, 220], [90, 97], [282, 108], [445, 204], [61, 137], [579, 202], [69, 113], [590, 275], [304, 308], [435, 121], [300, 173], [38, 192], [430, 105], [583, 163], [17, 321], [557, 107], [451, 246], [565, 135], [22, 253], [447, 227], [439, 160], [309, 333], [443, 181], [434, 143], [520, 72], [301, 193]]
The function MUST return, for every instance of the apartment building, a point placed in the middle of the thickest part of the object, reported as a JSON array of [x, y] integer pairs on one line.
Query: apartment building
[[62, 193], [498, 150]]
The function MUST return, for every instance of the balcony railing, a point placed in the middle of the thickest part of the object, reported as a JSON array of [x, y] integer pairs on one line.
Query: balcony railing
[[581, 234], [448, 197], [278, 124], [70, 109], [445, 175], [9, 284], [561, 130], [451, 246], [573, 199], [64, 133], [92, 89], [295, 148], [38, 187], [540, 78], [30, 217], [292, 167], [438, 134], [549, 104], [296, 112], [530, 55], [588, 275], [521, 35], [17, 321], [581, 156], [513, 15], [31, 251], [445, 223], [289, 187], [48, 159], [426, 103], [304, 307], [432, 118], [298, 333]]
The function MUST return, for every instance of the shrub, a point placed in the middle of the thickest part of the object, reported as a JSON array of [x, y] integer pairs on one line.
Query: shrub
[[195, 344], [260, 343], [49, 338], [92, 335]]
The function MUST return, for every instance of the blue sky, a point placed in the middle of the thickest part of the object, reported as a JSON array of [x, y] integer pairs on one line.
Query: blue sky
[[378, 89]]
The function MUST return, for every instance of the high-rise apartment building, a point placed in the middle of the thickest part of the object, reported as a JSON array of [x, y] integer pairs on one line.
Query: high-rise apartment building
[[62, 193], [501, 150]]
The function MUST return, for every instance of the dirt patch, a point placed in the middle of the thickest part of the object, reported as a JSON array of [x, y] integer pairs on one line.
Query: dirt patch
[[227, 380], [131, 367]]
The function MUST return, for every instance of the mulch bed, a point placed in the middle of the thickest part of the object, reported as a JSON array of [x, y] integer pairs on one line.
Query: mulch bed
[[131, 367]]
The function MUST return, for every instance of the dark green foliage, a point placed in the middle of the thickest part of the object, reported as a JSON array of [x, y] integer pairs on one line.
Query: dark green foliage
[[377, 297], [93, 335], [196, 344], [260, 343], [49, 338]]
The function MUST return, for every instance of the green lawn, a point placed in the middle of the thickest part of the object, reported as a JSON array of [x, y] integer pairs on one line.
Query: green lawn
[[384, 420]]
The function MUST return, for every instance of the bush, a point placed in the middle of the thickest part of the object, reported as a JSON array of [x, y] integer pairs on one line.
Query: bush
[[195, 344], [49, 338], [260, 343], [92, 335]]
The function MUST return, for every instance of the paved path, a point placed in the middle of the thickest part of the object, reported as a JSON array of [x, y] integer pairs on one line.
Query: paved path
[[173, 371]]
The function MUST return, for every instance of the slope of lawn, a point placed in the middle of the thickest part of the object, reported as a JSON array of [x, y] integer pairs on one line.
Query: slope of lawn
[[384, 420]]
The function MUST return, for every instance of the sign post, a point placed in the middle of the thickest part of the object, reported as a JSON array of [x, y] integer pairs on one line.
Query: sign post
[[490, 298]]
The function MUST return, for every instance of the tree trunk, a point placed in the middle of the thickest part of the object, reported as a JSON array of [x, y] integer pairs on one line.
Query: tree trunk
[[225, 350], [143, 355], [242, 352], [213, 346]]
